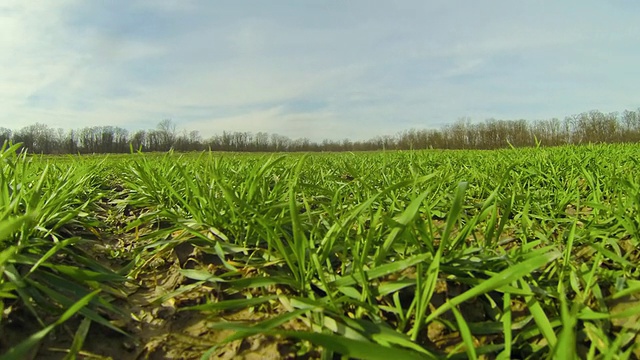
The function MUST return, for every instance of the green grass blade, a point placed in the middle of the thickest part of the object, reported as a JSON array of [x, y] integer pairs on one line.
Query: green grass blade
[[353, 348], [465, 333], [540, 317], [231, 304], [18, 352], [502, 278], [78, 339]]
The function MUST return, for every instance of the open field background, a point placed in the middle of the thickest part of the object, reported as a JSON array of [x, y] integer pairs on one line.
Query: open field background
[[515, 253]]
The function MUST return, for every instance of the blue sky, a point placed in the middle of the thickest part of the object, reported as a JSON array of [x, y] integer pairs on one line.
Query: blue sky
[[316, 69]]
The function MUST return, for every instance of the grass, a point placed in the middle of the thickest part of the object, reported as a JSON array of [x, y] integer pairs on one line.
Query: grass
[[518, 253]]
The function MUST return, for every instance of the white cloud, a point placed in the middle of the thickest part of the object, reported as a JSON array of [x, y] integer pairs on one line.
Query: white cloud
[[30, 53], [344, 69]]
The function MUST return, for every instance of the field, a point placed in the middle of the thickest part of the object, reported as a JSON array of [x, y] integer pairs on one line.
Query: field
[[518, 253]]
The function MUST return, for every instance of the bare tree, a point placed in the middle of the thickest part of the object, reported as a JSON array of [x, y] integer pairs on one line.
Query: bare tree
[[166, 134]]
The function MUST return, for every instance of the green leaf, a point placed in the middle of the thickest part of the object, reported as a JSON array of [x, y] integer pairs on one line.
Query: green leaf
[[231, 304], [454, 213], [7, 254], [20, 351], [353, 348], [78, 339], [52, 251], [257, 282], [502, 278], [8, 227], [79, 274], [465, 333], [380, 271], [402, 221], [539, 316], [384, 335], [243, 330]]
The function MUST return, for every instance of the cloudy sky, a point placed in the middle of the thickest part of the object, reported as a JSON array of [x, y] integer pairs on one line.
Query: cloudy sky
[[316, 69]]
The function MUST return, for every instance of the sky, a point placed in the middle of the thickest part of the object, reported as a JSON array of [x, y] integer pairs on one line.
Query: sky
[[316, 69]]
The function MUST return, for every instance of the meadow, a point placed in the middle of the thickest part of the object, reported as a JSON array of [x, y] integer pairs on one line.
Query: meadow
[[522, 253]]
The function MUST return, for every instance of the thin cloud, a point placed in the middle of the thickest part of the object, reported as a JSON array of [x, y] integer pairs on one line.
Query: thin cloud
[[305, 70]]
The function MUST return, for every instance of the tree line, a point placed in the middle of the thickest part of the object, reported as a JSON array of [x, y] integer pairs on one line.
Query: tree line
[[587, 127]]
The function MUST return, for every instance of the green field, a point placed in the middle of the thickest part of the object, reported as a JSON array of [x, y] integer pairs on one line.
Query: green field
[[519, 253]]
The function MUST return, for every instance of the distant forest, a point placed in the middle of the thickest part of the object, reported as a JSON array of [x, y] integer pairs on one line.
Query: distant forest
[[588, 127]]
